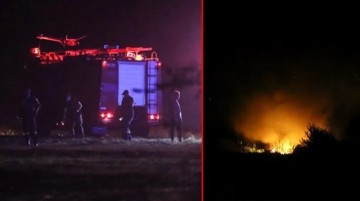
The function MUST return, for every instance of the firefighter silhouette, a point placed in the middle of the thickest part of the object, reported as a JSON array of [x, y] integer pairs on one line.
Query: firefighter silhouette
[[28, 112], [175, 116], [72, 118], [126, 115]]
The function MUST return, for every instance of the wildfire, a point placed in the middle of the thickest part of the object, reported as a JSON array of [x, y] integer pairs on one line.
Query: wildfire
[[286, 147], [277, 121], [253, 149]]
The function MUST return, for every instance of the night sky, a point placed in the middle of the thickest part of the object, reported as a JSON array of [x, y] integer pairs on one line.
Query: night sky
[[172, 28], [271, 70]]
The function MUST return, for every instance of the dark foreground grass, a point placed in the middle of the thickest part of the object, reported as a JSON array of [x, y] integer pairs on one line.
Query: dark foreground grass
[[101, 169], [234, 176]]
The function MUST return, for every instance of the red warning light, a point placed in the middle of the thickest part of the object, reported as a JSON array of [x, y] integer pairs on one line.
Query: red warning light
[[35, 51], [109, 115], [154, 117], [158, 64], [104, 64]]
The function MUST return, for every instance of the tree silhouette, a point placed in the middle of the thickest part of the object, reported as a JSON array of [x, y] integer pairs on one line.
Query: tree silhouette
[[316, 140], [187, 76]]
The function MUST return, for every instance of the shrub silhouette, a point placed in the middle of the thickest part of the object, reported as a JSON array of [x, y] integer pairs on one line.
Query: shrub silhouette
[[317, 140]]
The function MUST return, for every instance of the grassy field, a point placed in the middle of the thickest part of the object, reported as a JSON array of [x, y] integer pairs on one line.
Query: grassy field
[[106, 168]]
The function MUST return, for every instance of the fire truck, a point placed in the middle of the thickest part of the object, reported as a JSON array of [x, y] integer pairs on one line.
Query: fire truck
[[136, 69]]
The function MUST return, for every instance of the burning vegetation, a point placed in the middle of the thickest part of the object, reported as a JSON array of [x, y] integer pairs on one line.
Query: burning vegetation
[[278, 122], [315, 139]]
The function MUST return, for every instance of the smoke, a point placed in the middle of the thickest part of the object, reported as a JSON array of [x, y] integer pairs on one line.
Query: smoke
[[280, 116]]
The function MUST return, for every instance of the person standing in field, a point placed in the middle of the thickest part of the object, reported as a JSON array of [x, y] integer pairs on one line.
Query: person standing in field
[[28, 112], [175, 116], [72, 117]]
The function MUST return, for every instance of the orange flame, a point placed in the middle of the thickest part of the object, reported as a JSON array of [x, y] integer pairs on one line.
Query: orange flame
[[279, 120]]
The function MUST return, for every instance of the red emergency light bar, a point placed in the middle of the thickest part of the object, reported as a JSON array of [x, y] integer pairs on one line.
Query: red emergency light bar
[[131, 53]]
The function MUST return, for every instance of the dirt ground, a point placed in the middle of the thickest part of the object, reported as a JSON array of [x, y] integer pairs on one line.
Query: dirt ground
[[100, 168]]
